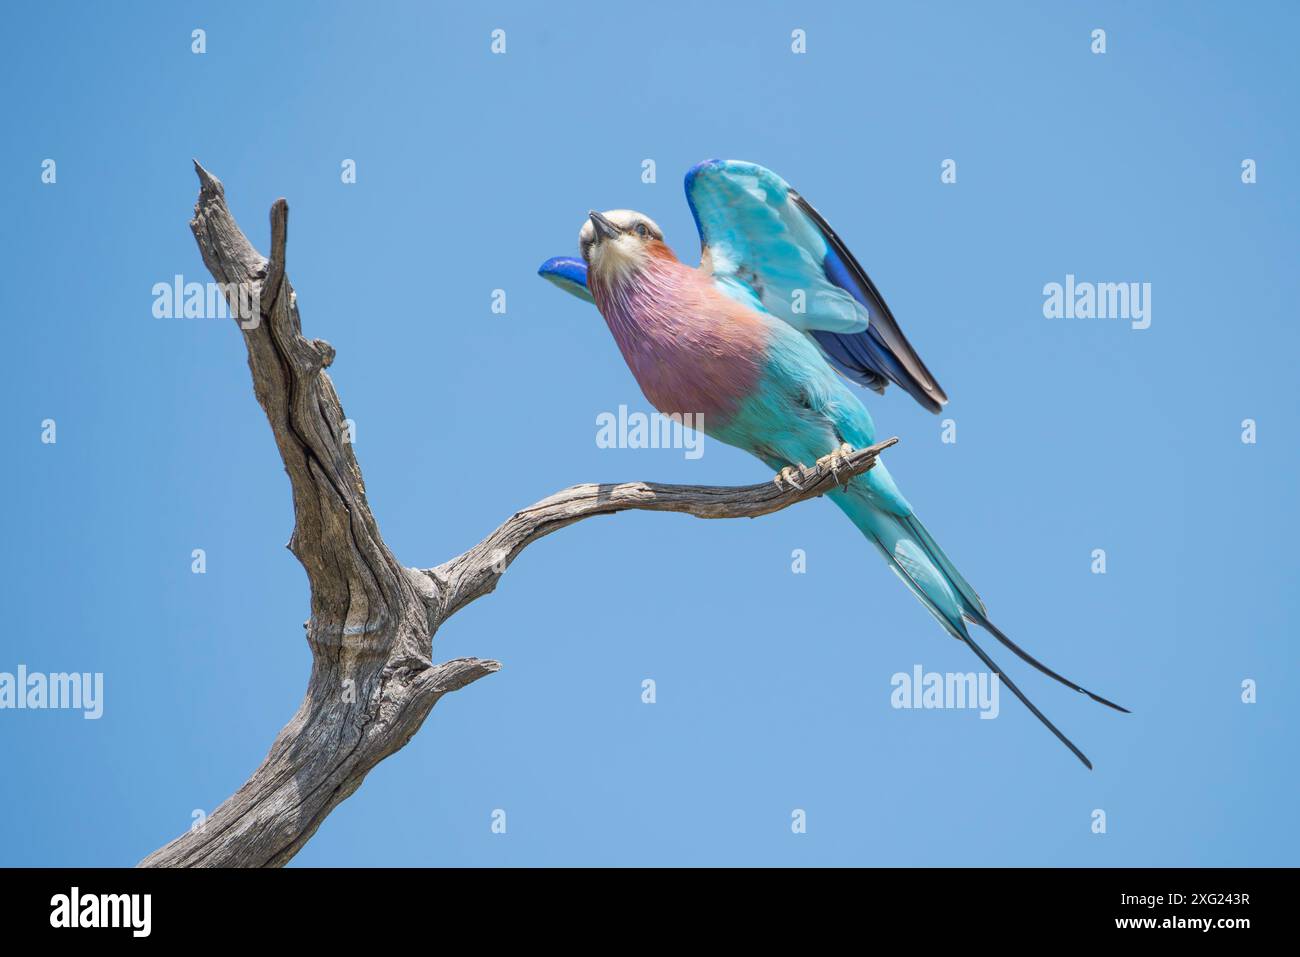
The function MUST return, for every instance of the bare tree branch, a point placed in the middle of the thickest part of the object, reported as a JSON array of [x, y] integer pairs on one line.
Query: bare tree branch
[[372, 620], [475, 573]]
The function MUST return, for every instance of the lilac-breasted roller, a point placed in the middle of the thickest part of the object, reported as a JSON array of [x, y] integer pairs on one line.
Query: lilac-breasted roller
[[751, 341]]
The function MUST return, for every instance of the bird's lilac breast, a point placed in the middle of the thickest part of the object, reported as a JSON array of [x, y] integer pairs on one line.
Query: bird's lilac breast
[[691, 349]]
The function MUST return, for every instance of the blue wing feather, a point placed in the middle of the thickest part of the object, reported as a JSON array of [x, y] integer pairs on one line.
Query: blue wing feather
[[569, 274], [760, 247], [763, 241], [883, 340]]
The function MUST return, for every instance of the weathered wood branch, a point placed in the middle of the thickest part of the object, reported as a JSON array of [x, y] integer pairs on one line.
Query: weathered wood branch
[[475, 573], [372, 622]]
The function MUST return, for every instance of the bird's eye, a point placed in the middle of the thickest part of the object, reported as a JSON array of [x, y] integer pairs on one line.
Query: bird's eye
[[642, 231]]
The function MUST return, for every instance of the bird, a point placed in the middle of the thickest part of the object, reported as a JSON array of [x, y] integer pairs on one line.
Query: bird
[[760, 343]]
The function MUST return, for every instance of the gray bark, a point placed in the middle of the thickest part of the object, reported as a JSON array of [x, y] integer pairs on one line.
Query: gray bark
[[372, 622]]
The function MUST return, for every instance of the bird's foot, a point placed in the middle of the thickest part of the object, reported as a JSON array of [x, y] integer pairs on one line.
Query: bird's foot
[[836, 460], [789, 478]]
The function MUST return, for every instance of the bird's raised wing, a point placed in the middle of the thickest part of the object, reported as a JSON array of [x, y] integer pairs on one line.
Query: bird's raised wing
[[569, 274], [764, 242]]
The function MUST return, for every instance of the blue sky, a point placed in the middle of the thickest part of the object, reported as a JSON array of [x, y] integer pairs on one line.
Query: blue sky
[[773, 688]]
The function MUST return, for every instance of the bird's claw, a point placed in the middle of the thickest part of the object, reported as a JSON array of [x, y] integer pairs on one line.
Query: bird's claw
[[789, 476], [836, 460]]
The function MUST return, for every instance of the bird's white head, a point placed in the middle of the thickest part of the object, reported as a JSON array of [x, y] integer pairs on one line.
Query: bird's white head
[[620, 242]]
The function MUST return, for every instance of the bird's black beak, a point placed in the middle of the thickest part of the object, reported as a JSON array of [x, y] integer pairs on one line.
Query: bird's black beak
[[604, 228]]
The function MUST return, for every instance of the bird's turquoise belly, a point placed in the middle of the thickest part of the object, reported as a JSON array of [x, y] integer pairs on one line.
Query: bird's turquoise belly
[[798, 412]]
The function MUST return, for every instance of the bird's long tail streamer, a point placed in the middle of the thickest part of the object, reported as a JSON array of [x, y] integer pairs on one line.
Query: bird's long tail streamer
[[922, 565]]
